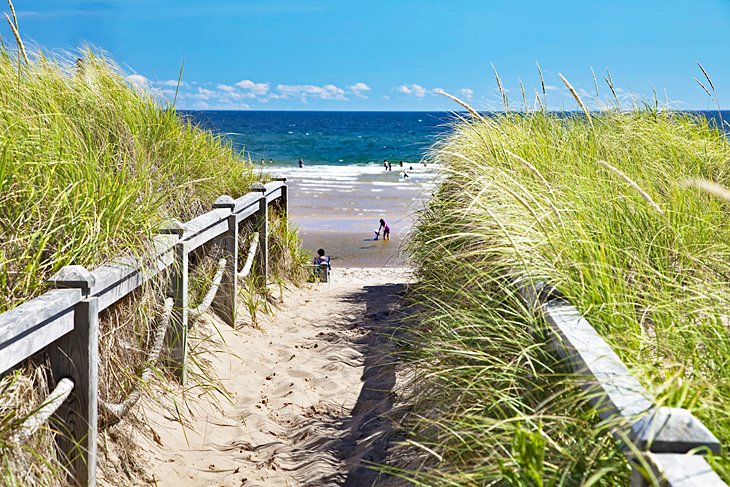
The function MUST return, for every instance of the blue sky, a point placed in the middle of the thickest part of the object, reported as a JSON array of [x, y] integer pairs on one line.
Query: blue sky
[[392, 55]]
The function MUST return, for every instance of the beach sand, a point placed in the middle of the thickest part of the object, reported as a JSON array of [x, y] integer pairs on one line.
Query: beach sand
[[308, 392], [338, 208]]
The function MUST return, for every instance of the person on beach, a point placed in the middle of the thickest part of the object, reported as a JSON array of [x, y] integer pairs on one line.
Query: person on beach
[[321, 258], [401, 163], [405, 175], [386, 230], [271, 161], [301, 162], [390, 166], [385, 164]]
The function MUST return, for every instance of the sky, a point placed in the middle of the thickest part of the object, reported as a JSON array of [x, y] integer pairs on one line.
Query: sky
[[396, 55]]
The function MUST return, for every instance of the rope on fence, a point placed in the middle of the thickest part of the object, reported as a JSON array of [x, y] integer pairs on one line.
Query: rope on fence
[[249, 258], [49, 406], [116, 411], [197, 312]]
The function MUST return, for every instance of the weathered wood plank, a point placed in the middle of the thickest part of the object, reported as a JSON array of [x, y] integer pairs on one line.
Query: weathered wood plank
[[205, 227], [676, 470], [284, 201], [248, 212], [261, 225], [226, 300], [596, 364], [248, 203], [117, 279], [33, 325], [614, 392], [672, 430], [176, 338], [75, 356], [273, 196], [273, 186]]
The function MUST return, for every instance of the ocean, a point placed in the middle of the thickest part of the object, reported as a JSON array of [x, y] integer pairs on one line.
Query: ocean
[[327, 138], [335, 138]]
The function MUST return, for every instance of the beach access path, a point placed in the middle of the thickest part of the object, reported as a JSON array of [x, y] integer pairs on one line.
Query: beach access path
[[308, 394]]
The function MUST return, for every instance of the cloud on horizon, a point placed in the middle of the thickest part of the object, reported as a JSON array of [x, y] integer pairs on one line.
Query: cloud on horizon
[[359, 89], [413, 89], [326, 92]]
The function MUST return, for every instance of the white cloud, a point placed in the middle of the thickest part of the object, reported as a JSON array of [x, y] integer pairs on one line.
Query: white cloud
[[205, 93], [258, 89], [138, 81], [359, 88], [171, 82], [466, 92], [326, 92], [412, 89], [226, 88], [418, 90]]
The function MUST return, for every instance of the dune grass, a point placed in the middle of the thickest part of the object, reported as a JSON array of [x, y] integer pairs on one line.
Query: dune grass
[[605, 209], [90, 167]]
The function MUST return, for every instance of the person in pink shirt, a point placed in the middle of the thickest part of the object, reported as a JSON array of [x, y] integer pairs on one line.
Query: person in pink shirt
[[386, 229]]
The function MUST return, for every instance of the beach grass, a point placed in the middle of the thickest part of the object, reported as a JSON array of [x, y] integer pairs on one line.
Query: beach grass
[[90, 168], [606, 207]]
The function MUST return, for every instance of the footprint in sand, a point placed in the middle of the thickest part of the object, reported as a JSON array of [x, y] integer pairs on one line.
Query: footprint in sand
[[300, 373]]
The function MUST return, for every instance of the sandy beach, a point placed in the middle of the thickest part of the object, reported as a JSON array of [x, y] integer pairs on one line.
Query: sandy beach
[[306, 395], [338, 208]]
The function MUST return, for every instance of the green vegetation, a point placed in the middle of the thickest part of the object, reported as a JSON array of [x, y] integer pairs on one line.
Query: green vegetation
[[90, 167], [600, 207]]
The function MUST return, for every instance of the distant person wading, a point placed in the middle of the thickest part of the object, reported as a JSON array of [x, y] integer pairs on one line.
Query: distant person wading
[[386, 230]]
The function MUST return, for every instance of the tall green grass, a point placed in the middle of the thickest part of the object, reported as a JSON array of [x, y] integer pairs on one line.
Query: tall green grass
[[598, 207], [90, 168]]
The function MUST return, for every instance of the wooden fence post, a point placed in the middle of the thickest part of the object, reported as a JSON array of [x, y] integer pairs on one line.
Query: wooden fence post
[[176, 338], [284, 200], [225, 301], [76, 356], [261, 224]]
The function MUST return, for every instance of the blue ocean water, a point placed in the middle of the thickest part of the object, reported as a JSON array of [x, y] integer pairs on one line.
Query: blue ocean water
[[327, 138], [336, 138]]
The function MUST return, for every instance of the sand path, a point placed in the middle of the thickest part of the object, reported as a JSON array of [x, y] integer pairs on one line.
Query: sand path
[[307, 394]]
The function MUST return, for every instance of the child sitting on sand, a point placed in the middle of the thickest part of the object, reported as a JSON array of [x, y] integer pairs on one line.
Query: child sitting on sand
[[321, 258], [321, 267]]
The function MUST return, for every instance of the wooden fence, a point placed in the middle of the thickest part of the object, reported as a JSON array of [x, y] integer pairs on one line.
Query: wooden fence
[[64, 322], [662, 443]]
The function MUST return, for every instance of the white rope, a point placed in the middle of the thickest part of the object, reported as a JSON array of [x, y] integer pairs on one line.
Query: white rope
[[118, 410], [33, 422], [249, 258], [197, 312]]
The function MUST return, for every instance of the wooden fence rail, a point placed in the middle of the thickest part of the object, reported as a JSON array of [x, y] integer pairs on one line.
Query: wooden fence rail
[[64, 322], [663, 444]]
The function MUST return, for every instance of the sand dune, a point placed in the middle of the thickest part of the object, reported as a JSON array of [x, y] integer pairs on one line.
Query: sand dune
[[307, 395]]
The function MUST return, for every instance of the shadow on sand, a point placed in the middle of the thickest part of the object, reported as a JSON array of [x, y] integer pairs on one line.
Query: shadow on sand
[[362, 439]]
